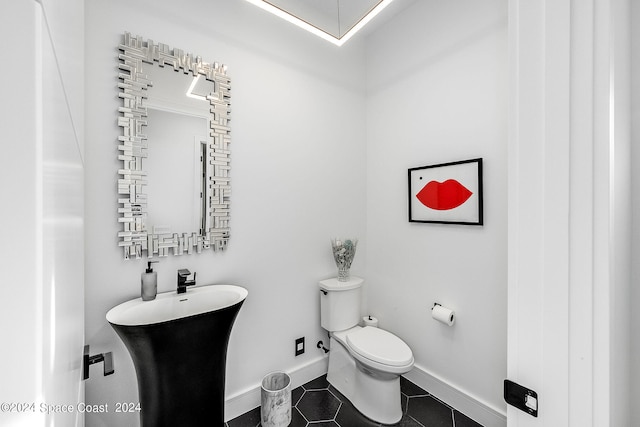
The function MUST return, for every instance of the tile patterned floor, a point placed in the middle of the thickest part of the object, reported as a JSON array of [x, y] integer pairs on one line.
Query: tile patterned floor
[[318, 404]]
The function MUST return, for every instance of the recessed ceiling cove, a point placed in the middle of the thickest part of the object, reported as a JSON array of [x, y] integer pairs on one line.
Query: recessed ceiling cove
[[333, 20]]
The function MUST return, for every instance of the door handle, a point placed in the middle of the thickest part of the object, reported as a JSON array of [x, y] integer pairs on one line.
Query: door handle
[[87, 360]]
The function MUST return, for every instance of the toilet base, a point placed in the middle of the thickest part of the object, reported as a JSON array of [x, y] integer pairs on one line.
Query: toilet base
[[375, 394]]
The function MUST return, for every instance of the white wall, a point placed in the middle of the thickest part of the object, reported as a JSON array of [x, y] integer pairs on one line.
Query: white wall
[[298, 177], [302, 173], [437, 92]]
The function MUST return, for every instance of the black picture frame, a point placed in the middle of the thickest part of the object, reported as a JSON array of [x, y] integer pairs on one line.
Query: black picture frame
[[446, 193]]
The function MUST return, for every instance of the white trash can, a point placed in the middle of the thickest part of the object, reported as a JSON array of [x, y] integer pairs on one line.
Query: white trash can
[[275, 402]]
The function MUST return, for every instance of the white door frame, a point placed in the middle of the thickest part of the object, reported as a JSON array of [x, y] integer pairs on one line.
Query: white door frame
[[568, 268]]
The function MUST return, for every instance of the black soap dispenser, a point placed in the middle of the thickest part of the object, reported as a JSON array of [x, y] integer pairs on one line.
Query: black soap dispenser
[[149, 283]]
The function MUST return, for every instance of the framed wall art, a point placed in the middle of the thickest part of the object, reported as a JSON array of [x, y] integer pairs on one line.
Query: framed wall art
[[446, 193]]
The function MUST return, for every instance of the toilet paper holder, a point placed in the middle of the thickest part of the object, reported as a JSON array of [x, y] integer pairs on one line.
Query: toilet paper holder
[[443, 314]]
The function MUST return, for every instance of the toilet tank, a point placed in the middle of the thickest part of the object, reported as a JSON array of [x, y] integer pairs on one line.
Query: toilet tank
[[340, 303]]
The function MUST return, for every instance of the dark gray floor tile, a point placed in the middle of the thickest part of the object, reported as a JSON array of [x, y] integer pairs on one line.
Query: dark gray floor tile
[[348, 416], [463, 421], [430, 412], [319, 383], [297, 420], [410, 389], [296, 394], [407, 421], [318, 405], [248, 419], [337, 394]]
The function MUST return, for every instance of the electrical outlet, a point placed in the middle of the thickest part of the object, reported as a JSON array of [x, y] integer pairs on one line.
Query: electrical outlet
[[299, 346]]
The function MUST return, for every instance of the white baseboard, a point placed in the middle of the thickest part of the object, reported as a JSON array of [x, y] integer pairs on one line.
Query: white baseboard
[[248, 399], [471, 406]]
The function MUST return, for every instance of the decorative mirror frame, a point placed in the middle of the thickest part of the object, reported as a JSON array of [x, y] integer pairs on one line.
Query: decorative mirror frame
[[133, 147]]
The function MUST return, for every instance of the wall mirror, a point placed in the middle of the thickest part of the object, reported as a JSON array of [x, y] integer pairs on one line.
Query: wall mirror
[[174, 151]]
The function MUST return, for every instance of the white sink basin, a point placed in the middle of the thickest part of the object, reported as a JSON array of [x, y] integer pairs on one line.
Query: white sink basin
[[171, 305]]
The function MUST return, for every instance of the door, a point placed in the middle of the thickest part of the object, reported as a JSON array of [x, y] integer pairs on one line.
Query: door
[[42, 309]]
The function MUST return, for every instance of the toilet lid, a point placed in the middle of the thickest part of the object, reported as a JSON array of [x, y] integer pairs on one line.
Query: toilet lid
[[380, 346]]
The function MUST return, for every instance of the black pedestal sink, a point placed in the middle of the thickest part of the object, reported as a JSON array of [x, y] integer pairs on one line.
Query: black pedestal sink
[[178, 343]]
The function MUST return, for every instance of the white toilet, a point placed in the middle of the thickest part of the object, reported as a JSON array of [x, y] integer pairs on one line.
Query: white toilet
[[365, 363]]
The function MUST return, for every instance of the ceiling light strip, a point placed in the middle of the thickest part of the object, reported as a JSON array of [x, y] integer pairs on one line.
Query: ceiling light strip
[[190, 93], [281, 13], [365, 20]]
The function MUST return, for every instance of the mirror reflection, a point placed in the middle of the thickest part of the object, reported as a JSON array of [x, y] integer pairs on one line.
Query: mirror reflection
[[177, 127]]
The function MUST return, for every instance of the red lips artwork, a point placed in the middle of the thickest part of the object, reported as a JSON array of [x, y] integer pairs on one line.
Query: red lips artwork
[[443, 196]]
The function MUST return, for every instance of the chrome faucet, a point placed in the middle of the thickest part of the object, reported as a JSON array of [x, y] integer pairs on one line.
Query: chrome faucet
[[183, 274]]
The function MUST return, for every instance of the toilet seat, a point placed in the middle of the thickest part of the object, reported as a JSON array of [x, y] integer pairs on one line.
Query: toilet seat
[[369, 347], [380, 346]]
